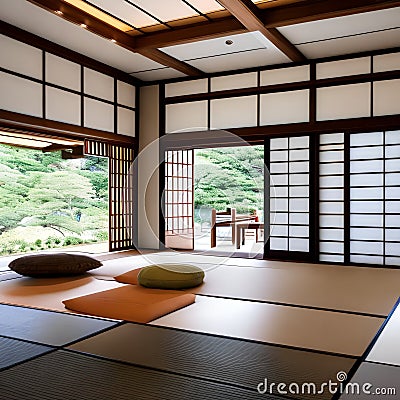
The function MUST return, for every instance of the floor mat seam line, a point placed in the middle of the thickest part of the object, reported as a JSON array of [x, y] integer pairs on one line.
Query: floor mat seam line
[[294, 305]]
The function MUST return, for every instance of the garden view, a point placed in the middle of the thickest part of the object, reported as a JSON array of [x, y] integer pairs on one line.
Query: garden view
[[229, 177], [47, 202]]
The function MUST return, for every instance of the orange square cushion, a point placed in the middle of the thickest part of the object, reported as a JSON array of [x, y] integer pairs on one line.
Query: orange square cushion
[[131, 303], [130, 277]]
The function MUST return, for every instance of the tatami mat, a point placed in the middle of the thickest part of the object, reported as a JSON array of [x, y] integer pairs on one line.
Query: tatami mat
[[381, 379], [387, 348], [5, 276], [292, 326], [352, 289], [226, 360], [68, 376], [15, 351], [48, 293], [46, 327], [335, 288]]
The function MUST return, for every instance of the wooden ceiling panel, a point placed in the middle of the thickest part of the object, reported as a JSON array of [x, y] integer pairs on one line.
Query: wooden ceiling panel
[[166, 10], [162, 24], [206, 6], [120, 9], [249, 15], [112, 19]]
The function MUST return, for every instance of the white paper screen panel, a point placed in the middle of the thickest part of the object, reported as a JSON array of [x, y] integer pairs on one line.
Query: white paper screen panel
[[62, 72], [374, 198], [340, 102], [20, 57], [387, 62], [20, 95], [63, 106], [126, 94], [126, 122], [386, 97], [284, 108], [98, 115], [234, 81], [289, 194], [184, 88], [285, 75], [353, 66], [98, 84], [186, 117], [331, 206], [234, 112]]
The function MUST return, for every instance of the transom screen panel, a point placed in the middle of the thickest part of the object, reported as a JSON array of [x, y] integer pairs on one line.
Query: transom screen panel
[[331, 195], [178, 197], [375, 198], [289, 167]]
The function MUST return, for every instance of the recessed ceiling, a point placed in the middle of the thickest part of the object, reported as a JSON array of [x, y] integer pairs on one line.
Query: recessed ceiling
[[206, 6], [175, 38], [106, 12], [159, 74], [42, 23], [343, 26], [214, 47], [248, 50], [347, 45]]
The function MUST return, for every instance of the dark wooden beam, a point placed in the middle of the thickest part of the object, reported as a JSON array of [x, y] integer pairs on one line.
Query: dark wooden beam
[[57, 147], [250, 16], [271, 17], [16, 122], [363, 124], [314, 10], [100, 28], [191, 33], [75, 152], [165, 59]]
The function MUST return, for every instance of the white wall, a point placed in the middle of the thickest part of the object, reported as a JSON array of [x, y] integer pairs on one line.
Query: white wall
[[148, 162]]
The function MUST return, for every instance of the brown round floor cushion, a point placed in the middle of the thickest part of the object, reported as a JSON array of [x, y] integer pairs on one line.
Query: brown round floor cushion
[[171, 276], [57, 264]]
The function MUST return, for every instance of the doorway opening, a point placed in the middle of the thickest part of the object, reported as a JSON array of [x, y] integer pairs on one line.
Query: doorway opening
[[229, 200], [214, 200], [50, 203]]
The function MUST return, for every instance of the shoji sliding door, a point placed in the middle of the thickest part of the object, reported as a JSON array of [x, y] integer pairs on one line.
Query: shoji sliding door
[[332, 197], [288, 161], [121, 192], [359, 210], [375, 198], [178, 199]]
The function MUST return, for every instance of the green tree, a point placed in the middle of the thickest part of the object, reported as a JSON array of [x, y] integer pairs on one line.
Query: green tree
[[230, 177], [56, 199]]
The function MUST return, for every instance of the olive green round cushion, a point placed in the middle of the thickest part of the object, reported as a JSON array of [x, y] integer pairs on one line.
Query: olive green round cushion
[[171, 276]]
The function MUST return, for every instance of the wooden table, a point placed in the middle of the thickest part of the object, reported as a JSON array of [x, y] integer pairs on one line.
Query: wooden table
[[228, 222], [240, 231]]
